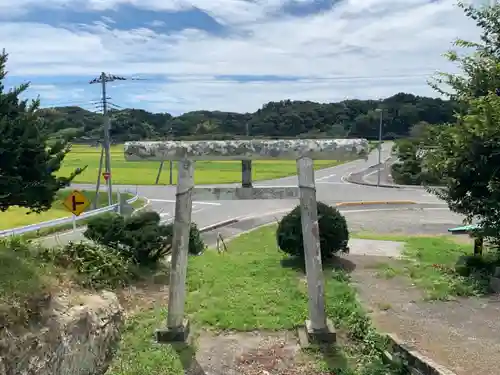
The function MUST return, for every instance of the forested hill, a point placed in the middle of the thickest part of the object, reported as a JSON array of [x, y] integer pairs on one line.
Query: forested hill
[[350, 118]]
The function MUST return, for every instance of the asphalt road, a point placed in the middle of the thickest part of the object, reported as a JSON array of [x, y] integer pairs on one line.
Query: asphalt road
[[425, 219], [413, 219], [331, 188], [371, 175]]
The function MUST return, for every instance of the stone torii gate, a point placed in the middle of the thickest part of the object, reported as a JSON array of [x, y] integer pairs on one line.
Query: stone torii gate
[[304, 151]]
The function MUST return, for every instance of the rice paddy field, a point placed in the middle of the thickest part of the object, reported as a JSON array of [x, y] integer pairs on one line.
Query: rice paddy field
[[144, 173]]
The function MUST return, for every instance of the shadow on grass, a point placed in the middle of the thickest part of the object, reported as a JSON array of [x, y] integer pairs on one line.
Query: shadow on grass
[[338, 263], [187, 357], [156, 274], [331, 358], [478, 269]]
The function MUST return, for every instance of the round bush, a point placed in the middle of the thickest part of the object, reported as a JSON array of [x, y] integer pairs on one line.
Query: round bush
[[333, 232], [469, 264], [196, 243]]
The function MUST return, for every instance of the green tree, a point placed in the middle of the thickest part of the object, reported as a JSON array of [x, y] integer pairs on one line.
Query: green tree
[[411, 167], [27, 163], [408, 168], [466, 154], [350, 118], [468, 160], [480, 69], [479, 74]]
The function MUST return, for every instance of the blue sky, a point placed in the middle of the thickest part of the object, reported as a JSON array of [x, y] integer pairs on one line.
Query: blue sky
[[232, 55]]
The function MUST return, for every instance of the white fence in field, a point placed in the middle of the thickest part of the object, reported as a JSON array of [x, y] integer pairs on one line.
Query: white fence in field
[[63, 221]]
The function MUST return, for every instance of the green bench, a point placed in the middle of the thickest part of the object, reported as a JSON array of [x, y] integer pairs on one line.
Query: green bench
[[468, 229]]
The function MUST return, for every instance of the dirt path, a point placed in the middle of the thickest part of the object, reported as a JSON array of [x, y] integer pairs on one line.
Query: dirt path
[[251, 353], [462, 335]]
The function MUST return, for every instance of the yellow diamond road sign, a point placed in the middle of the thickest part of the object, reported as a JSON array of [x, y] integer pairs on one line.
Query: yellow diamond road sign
[[76, 202]]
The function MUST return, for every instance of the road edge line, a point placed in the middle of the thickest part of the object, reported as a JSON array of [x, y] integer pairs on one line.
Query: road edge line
[[373, 203], [218, 225]]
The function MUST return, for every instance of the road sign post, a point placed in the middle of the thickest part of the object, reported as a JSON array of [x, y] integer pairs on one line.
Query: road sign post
[[76, 202], [107, 178]]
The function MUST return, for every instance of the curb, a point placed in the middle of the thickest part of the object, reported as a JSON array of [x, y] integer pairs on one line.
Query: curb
[[350, 180], [218, 225], [373, 203], [414, 361], [144, 206]]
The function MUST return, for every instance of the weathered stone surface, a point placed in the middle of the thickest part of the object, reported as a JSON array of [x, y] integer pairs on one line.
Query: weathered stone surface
[[319, 149], [236, 193], [76, 340]]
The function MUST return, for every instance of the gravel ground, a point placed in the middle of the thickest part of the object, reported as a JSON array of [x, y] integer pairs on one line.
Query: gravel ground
[[409, 221], [250, 353], [462, 335]]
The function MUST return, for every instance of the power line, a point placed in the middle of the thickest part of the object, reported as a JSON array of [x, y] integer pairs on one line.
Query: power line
[[245, 78], [72, 103]]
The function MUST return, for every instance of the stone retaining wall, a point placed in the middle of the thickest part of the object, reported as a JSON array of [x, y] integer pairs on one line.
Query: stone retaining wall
[[415, 362]]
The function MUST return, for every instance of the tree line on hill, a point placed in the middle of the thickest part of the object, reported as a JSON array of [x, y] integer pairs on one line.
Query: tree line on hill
[[349, 118]]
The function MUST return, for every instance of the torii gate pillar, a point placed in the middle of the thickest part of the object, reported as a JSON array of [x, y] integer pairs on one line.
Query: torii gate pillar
[[304, 151]]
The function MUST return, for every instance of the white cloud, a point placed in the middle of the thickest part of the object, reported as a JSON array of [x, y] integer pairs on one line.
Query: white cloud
[[358, 38]]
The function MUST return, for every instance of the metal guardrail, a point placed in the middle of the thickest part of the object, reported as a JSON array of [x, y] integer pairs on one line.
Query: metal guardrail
[[62, 221]]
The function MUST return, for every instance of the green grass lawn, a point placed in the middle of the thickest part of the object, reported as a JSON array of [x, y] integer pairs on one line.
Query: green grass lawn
[[18, 217], [430, 264], [144, 173], [245, 289]]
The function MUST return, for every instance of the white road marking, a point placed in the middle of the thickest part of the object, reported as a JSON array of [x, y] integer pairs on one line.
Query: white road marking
[[173, 201], [332, 183], [283, 210], [326, 177], [371, 173], [170, 218]]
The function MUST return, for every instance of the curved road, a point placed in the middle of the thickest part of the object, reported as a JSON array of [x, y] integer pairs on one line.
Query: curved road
[[331, 188], [430, 215]]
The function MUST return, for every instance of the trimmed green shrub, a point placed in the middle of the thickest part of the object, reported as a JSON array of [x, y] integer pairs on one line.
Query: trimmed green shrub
[[333, 232], [106, 229], [141, 237], [196, 243], [96, 266], [467, 265]]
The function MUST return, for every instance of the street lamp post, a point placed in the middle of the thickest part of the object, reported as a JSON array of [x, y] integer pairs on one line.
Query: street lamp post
[[381, 112]]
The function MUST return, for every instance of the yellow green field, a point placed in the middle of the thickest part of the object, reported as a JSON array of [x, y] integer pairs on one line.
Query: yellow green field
[[144, 173], [17, 217]]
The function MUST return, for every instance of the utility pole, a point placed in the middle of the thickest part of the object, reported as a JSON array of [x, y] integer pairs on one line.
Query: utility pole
[[103, 78], [98, 183], [246, 168], [381, 112]]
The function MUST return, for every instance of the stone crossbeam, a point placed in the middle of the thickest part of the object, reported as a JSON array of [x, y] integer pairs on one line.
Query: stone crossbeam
[[240, 193], [256, 149]]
